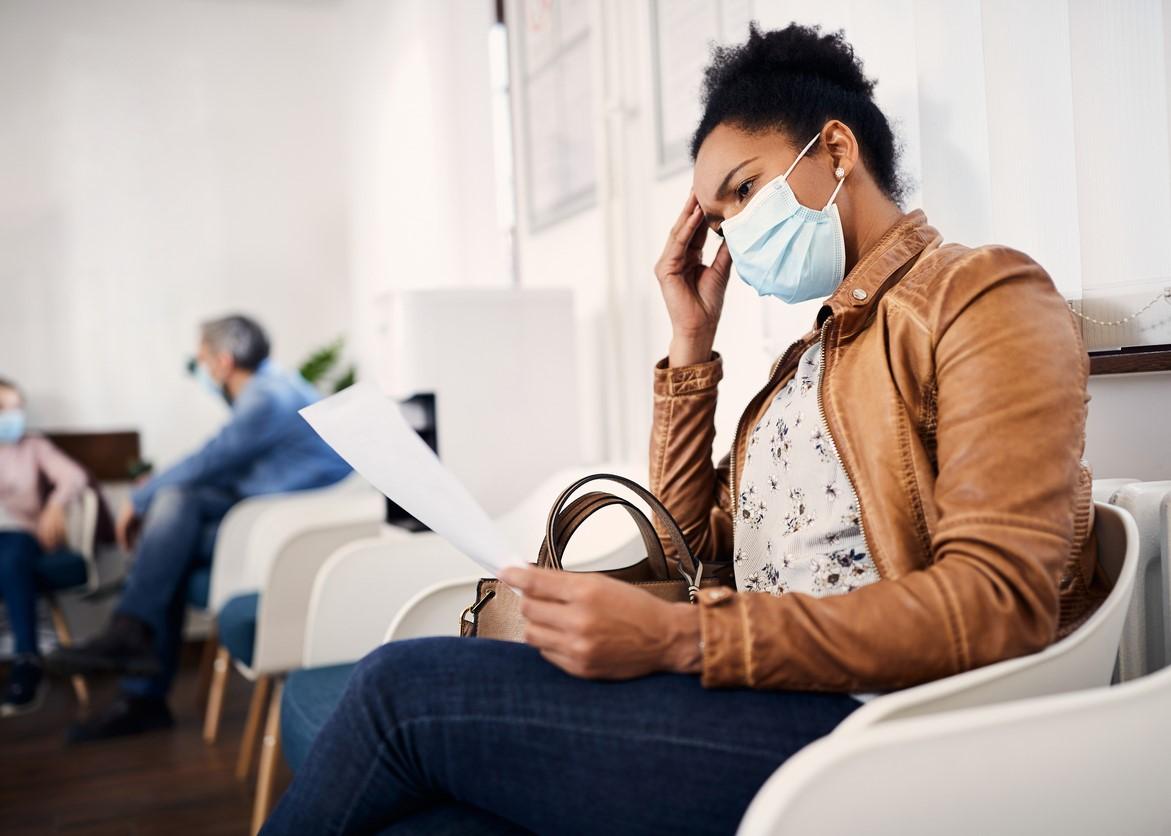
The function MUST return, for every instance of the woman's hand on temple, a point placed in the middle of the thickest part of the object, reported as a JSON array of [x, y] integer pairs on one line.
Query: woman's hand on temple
[[693, 291], [599, 628]]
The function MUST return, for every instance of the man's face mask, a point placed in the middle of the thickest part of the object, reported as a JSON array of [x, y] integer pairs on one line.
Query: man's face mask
[[781, 248], [204, 378], [12, 426]]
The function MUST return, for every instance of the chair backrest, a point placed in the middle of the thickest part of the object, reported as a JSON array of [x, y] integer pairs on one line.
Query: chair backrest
[[81, 524], [255, 529], [1146, 632], [1084, 659], [1094, 761], [363, 586], [434, 611]]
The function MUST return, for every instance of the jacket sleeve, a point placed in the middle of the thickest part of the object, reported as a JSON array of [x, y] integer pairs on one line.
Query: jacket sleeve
[[1010, 386], [251, 432], [682, 473]]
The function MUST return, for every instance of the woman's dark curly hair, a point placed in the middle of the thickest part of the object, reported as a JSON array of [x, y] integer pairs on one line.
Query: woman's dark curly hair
[[795, 80]]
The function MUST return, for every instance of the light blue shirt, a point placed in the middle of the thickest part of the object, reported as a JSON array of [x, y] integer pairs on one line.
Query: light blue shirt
[[265, 447]]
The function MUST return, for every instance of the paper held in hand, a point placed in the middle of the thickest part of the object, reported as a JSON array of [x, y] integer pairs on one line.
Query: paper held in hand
[[368, 430]]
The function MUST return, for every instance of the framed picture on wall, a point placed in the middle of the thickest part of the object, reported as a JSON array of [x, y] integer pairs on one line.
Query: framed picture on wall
[[682, 35], [556, 80]]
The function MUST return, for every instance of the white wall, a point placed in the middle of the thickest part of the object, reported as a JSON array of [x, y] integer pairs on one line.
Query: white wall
[[164, 161], [422, 191]]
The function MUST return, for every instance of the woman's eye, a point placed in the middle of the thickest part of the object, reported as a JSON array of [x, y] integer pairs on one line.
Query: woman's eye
[[745, 189]]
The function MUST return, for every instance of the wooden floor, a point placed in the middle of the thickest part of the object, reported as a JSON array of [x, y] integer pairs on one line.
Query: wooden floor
[[167, 782]]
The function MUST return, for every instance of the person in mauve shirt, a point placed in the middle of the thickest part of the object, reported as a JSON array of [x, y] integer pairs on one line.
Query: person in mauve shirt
[[32, 524]]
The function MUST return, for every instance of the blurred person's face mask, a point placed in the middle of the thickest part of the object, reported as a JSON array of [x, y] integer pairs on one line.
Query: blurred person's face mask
[[203, 378], [12, 425], [781, 248]]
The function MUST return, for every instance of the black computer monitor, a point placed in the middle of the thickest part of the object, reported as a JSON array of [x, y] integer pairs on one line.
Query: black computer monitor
[[420, 414]]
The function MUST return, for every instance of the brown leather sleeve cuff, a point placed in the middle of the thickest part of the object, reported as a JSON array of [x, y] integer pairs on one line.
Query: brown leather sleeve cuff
[[724, 633], [688, 380]]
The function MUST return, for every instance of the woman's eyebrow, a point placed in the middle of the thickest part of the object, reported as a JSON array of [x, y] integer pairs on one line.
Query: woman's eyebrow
[[727, 183]]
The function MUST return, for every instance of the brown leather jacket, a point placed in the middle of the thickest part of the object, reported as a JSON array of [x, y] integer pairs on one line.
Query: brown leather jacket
[[954, 387]]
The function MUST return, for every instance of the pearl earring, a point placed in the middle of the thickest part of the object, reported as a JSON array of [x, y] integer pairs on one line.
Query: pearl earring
[[839, 172]]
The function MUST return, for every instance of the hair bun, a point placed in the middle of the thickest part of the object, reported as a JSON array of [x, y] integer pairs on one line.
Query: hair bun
[[805, 51]]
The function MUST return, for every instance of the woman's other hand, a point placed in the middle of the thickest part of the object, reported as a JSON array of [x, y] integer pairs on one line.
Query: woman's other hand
[[599, 628], [51, 526], [693, 291]]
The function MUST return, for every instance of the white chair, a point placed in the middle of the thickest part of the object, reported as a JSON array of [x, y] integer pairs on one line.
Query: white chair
[[362, 587], [1146, 635], [81, 522], [924, 737], [434, 611], [272, 547], [1105, 490], [1088, 762], [1083, 659]]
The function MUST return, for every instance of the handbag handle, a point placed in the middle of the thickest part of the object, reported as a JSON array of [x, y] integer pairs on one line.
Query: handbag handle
[[578, 511], [686, 560]]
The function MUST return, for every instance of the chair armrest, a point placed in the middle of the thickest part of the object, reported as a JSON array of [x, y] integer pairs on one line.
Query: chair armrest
[[362, 587]]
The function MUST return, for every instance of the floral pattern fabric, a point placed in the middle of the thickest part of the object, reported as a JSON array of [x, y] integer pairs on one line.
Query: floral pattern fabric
[[797, 526]]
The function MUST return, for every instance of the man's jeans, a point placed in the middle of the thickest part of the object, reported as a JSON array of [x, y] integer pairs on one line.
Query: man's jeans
[[454, 736], [177, 537]]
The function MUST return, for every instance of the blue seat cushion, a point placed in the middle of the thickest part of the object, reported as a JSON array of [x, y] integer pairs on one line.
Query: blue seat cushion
[[236, 625], [61, 569], [199, 588], [308, 699]]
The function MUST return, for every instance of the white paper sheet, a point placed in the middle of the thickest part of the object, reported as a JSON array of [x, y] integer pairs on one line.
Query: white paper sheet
[[368, 430]]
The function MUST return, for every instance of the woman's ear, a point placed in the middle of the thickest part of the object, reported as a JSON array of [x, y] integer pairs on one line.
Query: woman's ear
[[841, 144]]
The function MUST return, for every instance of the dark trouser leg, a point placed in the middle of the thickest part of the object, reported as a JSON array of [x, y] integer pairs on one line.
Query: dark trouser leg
[[19, 552], [178, 536], [492, 726]]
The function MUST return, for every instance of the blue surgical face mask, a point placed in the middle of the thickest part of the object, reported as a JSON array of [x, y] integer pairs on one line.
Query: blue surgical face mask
[[203, 376], [783, 249], [11, 426]]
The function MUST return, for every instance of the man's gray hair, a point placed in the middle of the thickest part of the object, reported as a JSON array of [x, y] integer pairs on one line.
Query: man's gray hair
[[239, 336]]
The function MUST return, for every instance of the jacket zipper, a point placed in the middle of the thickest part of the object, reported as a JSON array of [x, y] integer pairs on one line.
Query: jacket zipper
[[833, 445]]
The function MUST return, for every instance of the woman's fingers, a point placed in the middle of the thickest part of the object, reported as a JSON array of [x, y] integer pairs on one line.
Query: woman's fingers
[[722, 263], [552, 614], [540, 583]]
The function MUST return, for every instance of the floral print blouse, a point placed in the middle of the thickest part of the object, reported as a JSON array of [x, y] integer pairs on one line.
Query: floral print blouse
[[797, 528]]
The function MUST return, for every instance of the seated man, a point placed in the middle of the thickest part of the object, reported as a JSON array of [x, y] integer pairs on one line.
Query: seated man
[[265, 448], [32, 523]]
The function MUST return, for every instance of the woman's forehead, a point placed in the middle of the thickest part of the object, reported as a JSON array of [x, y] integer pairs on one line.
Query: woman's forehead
[[727, 147]]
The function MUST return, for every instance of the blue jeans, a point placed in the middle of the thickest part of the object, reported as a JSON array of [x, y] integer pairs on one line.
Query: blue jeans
[[177, 537], [452, 736], [19, 553]]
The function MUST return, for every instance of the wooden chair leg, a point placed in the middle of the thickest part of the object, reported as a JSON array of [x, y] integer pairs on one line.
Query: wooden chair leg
[[61, 628], [256, 712], [215, 697], [206, 667], [269, 754]]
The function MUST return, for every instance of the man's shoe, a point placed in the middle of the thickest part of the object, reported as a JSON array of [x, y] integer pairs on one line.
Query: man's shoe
[[126, 716], [26, 687], [126, 647]]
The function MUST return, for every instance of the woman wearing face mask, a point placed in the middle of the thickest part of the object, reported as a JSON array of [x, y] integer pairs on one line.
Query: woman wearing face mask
[[31, 524], [903, 501]]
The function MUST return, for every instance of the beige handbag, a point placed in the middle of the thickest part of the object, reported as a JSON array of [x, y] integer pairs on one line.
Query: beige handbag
[[496, 611]]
